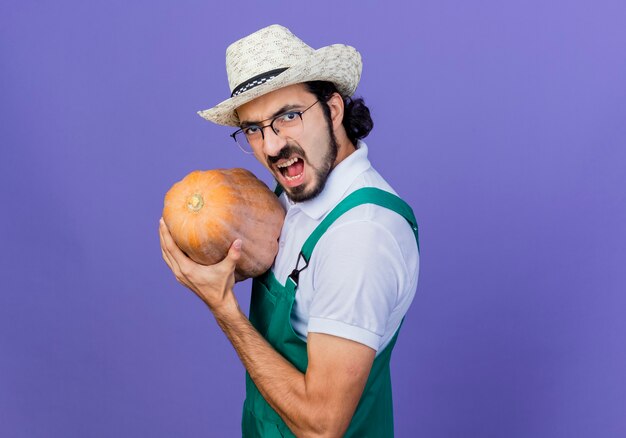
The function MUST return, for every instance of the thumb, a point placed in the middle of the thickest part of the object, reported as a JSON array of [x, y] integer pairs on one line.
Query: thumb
[[234, 252]]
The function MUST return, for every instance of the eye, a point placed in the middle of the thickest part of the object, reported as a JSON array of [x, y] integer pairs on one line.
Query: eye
[[288, 117], [251, 130]]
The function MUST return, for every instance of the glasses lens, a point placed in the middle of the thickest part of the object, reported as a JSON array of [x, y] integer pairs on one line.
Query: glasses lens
[[242, 142], [288, 125]]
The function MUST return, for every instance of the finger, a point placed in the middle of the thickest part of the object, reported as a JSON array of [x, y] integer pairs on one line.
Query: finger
[[166, 259], [229, 263], [164, 251], [234, 253], [162, 244], [177, 258], [175, 270]]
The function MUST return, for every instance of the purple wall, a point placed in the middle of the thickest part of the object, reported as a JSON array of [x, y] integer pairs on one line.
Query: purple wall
[[502, 125]]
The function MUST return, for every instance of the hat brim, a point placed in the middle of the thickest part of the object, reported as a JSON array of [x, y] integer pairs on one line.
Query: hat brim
[[338, 63]]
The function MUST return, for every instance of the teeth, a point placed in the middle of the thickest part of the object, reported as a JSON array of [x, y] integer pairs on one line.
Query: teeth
[[291, 178], [287, 163]]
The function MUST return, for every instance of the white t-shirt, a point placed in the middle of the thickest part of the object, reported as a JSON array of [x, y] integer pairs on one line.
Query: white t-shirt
[[363, 272]]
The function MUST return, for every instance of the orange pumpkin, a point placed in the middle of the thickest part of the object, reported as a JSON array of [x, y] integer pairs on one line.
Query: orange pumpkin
[[208, 210]]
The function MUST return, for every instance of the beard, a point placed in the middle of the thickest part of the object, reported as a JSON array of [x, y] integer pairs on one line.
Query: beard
[[301, 193]]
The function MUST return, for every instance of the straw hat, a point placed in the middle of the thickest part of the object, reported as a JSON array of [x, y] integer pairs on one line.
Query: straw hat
[[273, 58]]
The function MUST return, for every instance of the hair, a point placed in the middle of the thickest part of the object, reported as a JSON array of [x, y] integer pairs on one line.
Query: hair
[[357, 120]]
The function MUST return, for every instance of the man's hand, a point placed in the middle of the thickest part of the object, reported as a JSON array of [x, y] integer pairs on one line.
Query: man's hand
[[320, 402], [213, 284]]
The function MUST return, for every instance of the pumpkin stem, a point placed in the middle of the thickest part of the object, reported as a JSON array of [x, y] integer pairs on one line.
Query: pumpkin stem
[[195, 202]]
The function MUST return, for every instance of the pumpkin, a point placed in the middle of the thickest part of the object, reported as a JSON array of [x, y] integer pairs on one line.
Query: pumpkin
[[207, 210]]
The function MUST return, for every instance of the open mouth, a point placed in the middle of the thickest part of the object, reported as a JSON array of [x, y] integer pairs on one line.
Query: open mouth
[[292, 170]]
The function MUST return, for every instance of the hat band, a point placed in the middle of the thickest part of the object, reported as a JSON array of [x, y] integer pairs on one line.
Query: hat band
[[256, 81]]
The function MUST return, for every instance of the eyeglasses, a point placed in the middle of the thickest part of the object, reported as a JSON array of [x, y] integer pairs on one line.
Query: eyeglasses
[[285, 125]]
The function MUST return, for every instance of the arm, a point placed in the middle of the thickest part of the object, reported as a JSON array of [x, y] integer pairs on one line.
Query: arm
[[318, 403]]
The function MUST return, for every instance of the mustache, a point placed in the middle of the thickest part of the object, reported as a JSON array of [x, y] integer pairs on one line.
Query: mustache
[[286, 152]]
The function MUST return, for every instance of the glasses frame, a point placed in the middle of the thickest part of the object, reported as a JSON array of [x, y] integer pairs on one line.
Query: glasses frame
[[271, 125]]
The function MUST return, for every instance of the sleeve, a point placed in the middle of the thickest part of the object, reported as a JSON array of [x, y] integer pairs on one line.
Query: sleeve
[[356, 282]]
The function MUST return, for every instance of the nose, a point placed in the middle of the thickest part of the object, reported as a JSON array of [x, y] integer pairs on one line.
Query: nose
[[272, 143]]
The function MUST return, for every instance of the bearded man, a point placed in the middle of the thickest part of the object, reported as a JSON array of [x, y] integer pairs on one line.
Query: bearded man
[[324, 319]]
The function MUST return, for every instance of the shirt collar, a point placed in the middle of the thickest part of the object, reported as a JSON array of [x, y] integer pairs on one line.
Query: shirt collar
[[339, 180]]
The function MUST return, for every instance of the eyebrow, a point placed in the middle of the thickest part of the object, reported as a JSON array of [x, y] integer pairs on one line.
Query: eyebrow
[[284, 109]]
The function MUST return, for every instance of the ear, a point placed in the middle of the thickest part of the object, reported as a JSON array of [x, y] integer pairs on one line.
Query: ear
[[335, 103]]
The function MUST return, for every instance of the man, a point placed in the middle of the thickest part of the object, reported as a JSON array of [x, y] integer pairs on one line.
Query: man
[[317, 360]]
